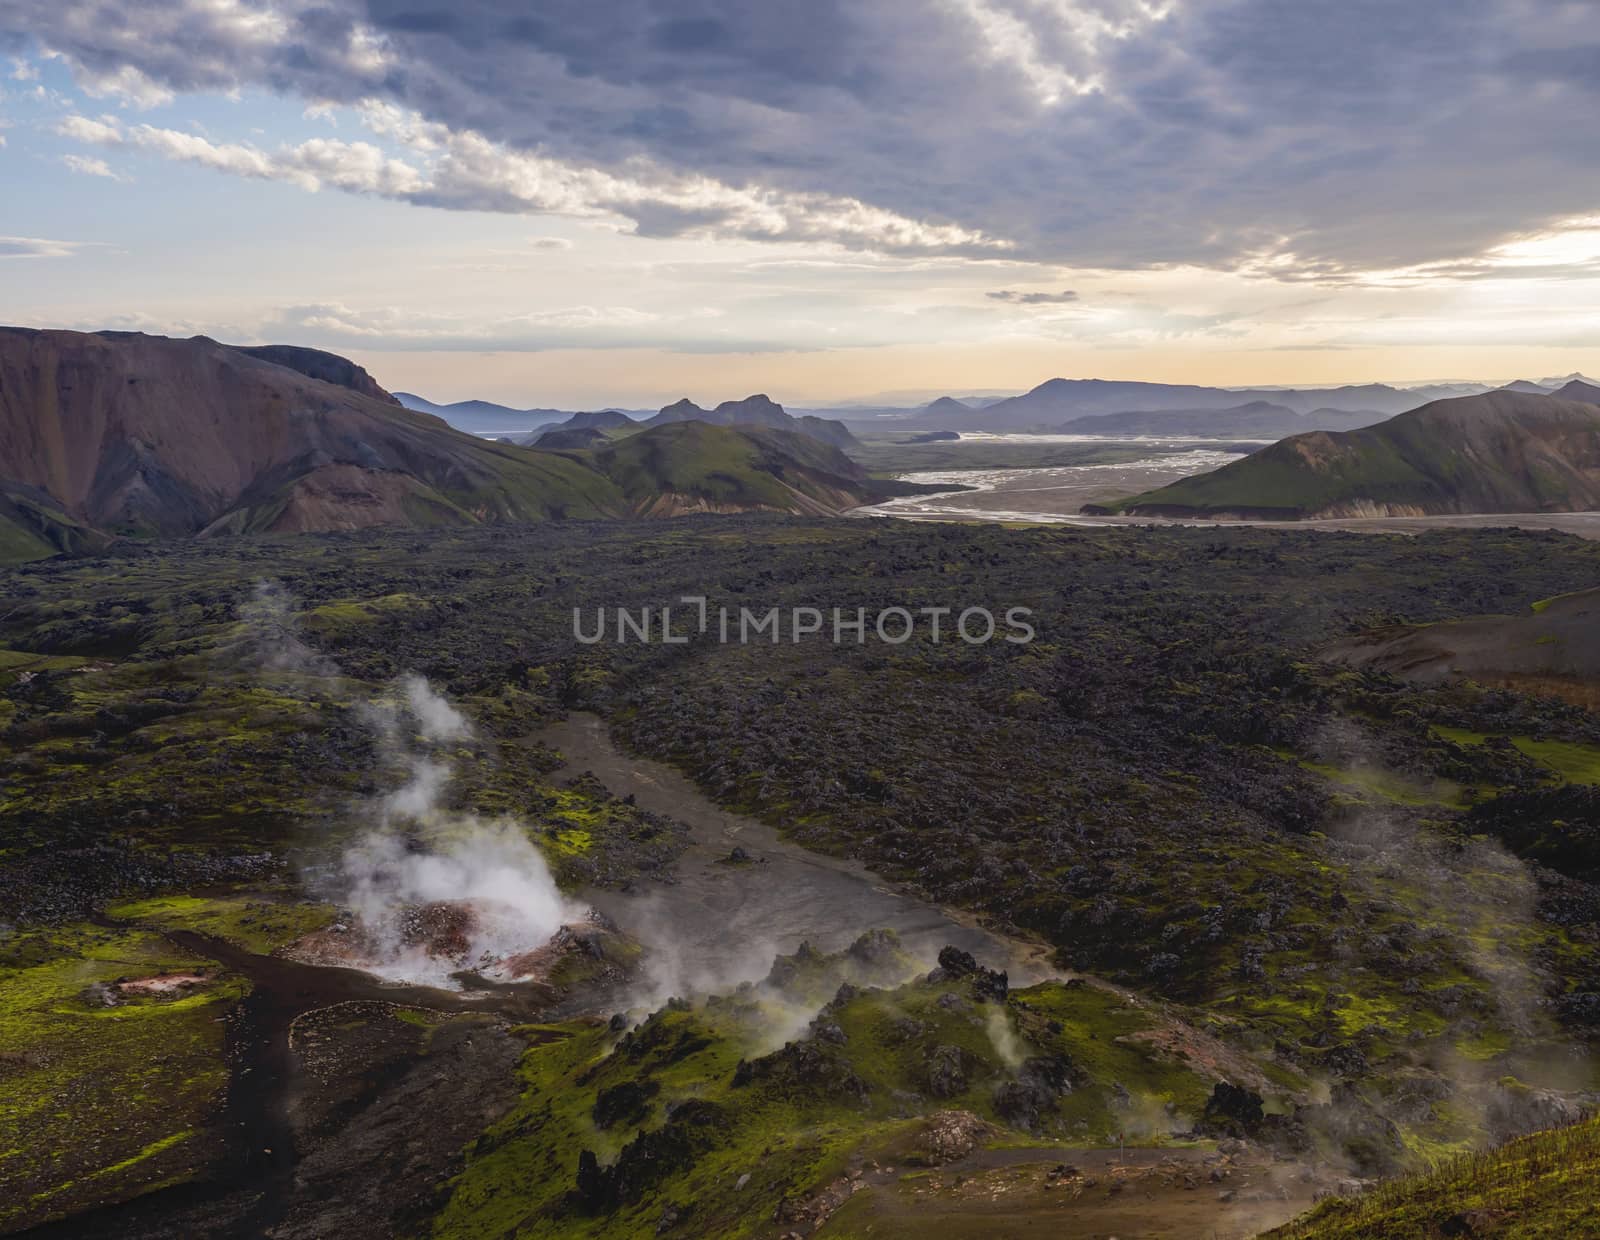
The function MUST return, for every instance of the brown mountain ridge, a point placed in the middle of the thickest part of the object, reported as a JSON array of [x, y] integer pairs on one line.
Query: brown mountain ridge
[[124, 434]]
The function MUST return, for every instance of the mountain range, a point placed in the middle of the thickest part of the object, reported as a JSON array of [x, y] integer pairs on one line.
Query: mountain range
[[123, 434], [1257, 417], [1057, 402], [1502, 451], [758, 410]]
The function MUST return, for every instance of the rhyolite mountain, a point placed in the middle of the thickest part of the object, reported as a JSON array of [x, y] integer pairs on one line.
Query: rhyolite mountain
[[1498, 452], [145, 435], [758, 410], [1257, 417], [317, 364], [105, 434]]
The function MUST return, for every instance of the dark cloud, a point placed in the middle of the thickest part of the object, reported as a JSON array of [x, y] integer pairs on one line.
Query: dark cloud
[[1019, 298], [1305, 138]]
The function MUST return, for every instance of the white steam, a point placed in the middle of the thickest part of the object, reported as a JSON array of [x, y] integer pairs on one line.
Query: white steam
[[435, 891]]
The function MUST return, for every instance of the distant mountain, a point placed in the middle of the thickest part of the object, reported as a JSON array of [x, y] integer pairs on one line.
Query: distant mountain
[[1498, 452], [759, 410], [946, 406], [1526, 388], [566, 438], [1256, 418], [1058, 401], [1562, 382], [600, 420], [574, 430], [124, 433], [482, 417], [691, 465], [1579, 390]]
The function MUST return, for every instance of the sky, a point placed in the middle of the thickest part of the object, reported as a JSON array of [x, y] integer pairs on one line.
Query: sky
[[575, 204]]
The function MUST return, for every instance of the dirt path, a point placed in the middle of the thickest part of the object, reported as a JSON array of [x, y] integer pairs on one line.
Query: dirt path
[[1137, 1194], [719, 923]]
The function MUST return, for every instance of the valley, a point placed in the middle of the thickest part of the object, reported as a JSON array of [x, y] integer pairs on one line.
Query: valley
[[891, 620], [778, 849]]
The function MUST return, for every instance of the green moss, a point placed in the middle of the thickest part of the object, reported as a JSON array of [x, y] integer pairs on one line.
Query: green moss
[[1387, 785], [1539, 1187], [1568, 761], [1485, 1046], [260, 926], [100, 1100], [791, 1131]]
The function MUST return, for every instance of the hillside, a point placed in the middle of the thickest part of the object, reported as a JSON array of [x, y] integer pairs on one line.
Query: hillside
[[1538, 1186], [1497, 452], [121, 434], [1550, 649], [143, 435], [692, 466], [758, 410], [1257, 417]]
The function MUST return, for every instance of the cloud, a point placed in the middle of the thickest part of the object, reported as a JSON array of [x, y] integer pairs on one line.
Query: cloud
[[1295, 142], [337, 325], [82, 129], [90, 167], [463, 170], [1020, 298], [359, 167], [549, 243], [37, 247]]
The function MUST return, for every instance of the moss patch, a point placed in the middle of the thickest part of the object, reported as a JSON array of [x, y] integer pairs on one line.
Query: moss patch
[[98, 1102]]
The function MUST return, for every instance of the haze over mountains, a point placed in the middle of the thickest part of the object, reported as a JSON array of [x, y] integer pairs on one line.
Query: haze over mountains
[[482, 417], [1499, 452], [1057, 402], [1256, 418], [1121, 407]]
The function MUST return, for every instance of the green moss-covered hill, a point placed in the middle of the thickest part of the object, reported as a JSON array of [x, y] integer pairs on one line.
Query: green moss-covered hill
[[730, 1117], [1538, 1187], [693, 466], [1499, 452]]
